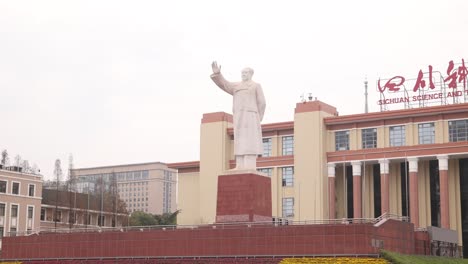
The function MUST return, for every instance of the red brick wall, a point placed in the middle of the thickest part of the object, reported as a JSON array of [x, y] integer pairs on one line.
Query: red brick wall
[[208, 241], [421, 243], [226, 260]]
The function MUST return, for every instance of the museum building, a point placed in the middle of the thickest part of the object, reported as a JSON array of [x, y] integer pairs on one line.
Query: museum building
[[407, 162]]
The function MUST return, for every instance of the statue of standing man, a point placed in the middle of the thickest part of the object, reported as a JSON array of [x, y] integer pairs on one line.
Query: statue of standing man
[[248, 109]]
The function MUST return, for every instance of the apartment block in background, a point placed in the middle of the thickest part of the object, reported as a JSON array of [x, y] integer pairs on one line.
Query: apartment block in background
[[147, 187]]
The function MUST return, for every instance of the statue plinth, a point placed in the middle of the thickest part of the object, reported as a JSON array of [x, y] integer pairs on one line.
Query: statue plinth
[[243, 196]]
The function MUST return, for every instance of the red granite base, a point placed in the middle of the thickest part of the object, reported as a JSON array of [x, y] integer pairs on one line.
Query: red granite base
[[243, 197]]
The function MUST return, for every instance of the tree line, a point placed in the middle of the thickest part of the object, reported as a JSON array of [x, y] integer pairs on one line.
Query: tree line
[[21, 164]]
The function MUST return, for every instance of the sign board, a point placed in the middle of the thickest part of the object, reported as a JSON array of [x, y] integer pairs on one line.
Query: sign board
[[428, 88]]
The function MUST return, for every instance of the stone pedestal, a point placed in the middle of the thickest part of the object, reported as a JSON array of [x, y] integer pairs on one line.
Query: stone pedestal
[[243, 196]]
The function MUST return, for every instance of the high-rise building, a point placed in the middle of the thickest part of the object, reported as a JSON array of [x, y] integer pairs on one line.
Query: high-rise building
[[147, 187]]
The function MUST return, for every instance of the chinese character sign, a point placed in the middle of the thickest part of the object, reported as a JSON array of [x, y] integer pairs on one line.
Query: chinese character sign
[[426, 87]]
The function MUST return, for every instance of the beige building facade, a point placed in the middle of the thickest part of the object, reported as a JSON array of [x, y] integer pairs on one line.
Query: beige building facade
[[20, 202], [409, 162], [146, 187]]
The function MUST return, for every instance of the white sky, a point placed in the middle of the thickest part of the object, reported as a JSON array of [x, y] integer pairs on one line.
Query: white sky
[[117, 82]]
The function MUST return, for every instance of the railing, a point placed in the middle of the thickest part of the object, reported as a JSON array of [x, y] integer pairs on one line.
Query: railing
[[275, 222], [391, 216]]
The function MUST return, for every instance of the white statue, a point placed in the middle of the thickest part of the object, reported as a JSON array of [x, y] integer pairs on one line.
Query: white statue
[[248, 109]]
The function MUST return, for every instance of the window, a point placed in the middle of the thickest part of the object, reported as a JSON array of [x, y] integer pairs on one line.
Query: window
[[2, 209], [369, 138], [137, 175], [15, 188], [426, 133], [267, 171], [30, 212], [288, 145], [3, 186], [13, 231], [266, 147], [458, 130], [43, 214], [101, 220], [342, 140], [58, 216], [288, 207], [14, 210], [31, 190], [1, 232], [397, 136], [287, 176], [120, 176], [129, 176]]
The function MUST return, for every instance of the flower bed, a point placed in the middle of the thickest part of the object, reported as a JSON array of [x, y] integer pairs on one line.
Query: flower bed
[[338, 260]]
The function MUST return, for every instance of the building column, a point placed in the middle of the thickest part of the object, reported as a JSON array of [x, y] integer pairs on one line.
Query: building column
[[331, 190], [444, 197], [413, 188], [384, 186], [357, 203]]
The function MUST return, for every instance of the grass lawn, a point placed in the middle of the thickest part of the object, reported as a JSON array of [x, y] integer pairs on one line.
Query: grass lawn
[[415, 259]]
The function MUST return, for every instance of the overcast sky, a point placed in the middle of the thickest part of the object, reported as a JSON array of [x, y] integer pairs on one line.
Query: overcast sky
[[117, 82]]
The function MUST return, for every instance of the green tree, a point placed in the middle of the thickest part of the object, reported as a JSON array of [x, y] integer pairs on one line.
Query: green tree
[[142, 219], [167, 218]]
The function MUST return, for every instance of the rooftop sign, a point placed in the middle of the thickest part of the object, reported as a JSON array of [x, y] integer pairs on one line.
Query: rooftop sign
[[428, 88]]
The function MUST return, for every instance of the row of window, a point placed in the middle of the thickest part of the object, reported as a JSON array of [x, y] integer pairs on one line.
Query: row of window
[[287, 175], [120, 176], [137, 204], [135, 200], [130, 189], [287, 146], [134, 194], [267, 171], [458, 131], [15, 188], [89, 221], [14, 212], [127, 184]]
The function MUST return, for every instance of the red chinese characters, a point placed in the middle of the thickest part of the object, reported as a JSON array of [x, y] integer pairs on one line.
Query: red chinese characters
[[421, 83], [455, 76], [461, 73], [392, 84]]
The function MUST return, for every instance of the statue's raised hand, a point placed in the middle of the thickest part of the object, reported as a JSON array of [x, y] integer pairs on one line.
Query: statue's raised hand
[[215, 67]]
